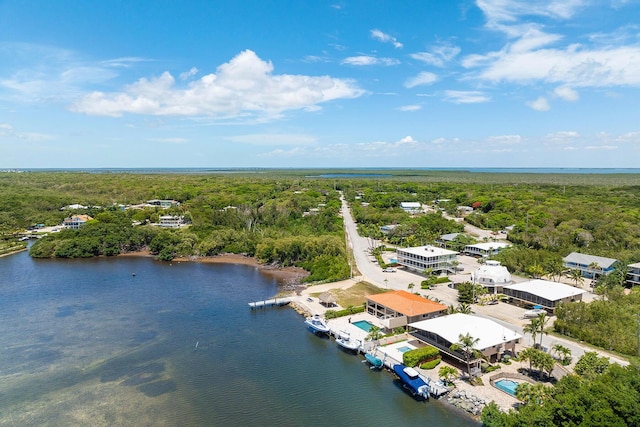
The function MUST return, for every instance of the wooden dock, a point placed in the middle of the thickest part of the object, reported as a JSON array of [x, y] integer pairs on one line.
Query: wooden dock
[[273, 302]]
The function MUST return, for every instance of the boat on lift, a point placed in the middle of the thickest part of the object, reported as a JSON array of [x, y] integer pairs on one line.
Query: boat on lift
[[412, 381], [317, 324]]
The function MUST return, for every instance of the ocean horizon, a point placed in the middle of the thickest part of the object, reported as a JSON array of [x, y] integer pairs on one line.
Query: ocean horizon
[[354, 170]]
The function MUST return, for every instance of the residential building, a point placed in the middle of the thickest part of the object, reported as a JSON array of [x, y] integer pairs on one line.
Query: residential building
[[633, 274], [543, 293], [492, 276], [446, 239], [411, 207], [486, 249], [171, 221], [442, 332], [423, 258], [163, 203], [386, 229], [76, 221], [591, 266], [399, 308]]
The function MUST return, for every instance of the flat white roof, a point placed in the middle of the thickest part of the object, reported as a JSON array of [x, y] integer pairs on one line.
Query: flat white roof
[[452, 326], [489, 245], [427, 251], [410, 204], [552, 291]]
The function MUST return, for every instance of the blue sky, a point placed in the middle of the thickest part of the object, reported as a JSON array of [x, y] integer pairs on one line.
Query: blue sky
[[311, 83]]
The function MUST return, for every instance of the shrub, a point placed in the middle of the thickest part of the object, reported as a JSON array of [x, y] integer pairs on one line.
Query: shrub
[[333, 314], [432, 364], [420, 355]]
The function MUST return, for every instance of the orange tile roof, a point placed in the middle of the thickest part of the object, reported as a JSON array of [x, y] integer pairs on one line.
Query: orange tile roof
[[407, 303]]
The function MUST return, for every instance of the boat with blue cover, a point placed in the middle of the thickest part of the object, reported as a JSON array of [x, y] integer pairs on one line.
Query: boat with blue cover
[[412, 381], [375, 362]]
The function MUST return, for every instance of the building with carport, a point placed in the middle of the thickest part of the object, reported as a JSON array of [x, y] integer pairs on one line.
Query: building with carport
[[543, 293], [399, 308], [442, 332]]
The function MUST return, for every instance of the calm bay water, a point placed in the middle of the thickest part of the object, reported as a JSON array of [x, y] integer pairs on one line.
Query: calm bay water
[[85, 342]]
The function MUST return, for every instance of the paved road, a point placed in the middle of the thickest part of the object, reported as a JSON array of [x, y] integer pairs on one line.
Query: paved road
[[505, 314]]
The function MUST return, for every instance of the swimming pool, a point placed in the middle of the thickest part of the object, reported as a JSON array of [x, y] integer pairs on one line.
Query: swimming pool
[[364, 325], [508, 386], [404, 349]]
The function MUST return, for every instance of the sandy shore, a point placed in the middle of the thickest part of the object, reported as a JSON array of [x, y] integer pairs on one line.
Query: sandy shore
[[288, 275]]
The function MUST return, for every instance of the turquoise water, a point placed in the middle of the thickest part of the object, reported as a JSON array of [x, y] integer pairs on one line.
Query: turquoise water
[[364, 325], [508, 386], [404, 349], [87, 343]]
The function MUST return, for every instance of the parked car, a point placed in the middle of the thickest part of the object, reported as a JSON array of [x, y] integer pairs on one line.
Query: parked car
[[389, 270]]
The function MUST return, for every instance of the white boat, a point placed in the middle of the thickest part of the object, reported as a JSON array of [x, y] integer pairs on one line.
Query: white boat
[[345, 341], [317, 324]]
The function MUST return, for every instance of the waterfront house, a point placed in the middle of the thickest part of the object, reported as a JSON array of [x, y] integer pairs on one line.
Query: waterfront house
[[399, 308], [492, 276], [421, 258], [442, 332], [76, 221], [486, 249], [591, 266], [543, 293]]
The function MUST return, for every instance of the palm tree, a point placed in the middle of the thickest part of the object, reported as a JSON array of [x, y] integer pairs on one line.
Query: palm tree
[[542, 322], [529, 354], [576, 276], [563, 352], [532, 328], [466, 343], [374, 334], [447, 373], [536, 270], [464, 308], [451, 309], [528, 393]]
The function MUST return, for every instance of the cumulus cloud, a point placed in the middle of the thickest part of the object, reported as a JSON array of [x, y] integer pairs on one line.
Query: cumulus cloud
[[466, 97], [563, 137], [369, 60], [244, 87], [423, 78], [505, 139], [385, 38], [566, 93], [539, 104]]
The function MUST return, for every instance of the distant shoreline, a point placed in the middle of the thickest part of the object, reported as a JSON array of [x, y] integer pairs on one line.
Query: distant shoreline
[[287, 274]]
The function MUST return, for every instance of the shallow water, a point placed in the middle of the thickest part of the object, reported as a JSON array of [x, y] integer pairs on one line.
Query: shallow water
[[87, 342]]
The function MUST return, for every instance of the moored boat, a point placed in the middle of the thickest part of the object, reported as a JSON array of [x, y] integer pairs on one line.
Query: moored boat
[[412, 381], [317, 325], [344, 341], [375, 362]]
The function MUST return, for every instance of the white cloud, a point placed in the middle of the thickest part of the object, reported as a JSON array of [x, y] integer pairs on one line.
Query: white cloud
[[505, 139], [369, 60], [438, 56], [385, 38], [424, 78], [187, 74], [242, 88], [539, 104], [563, 137], [8, 131], [410, 108], [466, 97], [566, 93], [534, 54]]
